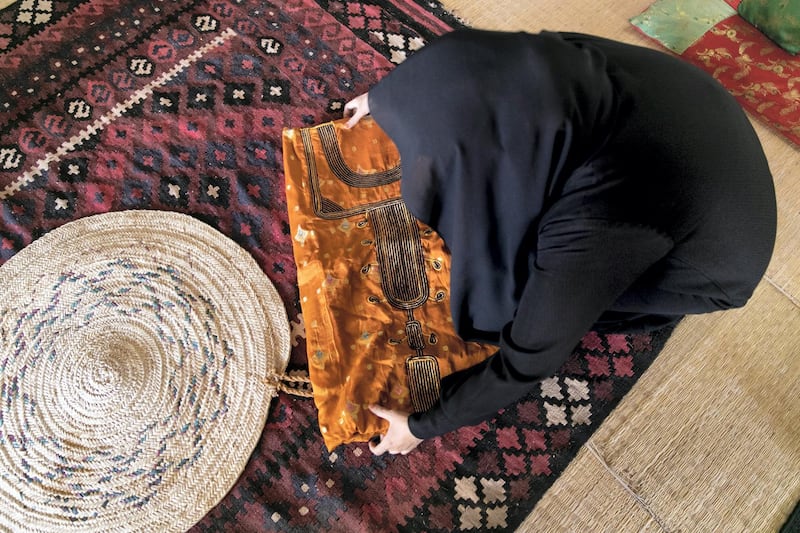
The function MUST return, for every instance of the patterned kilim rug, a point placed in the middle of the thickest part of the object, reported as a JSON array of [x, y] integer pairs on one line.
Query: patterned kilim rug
[[179, 106], [710, 34]]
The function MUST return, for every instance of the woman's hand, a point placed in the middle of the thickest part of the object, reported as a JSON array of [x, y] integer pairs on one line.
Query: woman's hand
[[356, 109], [398, 438]]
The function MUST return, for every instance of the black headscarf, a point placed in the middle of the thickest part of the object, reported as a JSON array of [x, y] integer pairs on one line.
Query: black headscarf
[[489, 127]]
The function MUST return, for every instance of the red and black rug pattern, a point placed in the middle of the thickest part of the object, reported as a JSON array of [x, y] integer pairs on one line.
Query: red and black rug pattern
[[179, 105]]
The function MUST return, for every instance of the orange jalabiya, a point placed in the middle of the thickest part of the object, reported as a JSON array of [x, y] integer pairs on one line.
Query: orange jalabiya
[[373, 281]]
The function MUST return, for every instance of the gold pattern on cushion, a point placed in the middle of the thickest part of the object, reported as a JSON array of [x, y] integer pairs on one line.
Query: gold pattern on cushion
[[373, 281]]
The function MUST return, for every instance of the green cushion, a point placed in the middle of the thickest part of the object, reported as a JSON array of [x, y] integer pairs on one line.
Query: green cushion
[[777, 19]]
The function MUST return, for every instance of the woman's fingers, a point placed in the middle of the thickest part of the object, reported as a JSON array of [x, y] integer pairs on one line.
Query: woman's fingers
[[354, 119], [379, 448], [356, 109], [381, 412], [398, 438]]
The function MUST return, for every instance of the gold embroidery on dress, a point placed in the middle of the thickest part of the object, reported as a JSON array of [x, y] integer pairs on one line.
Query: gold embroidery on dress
[[399, 254], [424, 382], [404, 282], [325, 207], [333, 155], [405, 286], [400, 257]]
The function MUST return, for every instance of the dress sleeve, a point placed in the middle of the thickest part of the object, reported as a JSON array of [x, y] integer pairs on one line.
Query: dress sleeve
[[581, 268]]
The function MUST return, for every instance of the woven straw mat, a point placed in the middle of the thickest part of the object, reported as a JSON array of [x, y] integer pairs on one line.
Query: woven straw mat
[[139, 352]]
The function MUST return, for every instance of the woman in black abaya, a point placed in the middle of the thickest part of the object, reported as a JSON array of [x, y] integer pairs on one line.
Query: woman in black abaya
[[579, 183]]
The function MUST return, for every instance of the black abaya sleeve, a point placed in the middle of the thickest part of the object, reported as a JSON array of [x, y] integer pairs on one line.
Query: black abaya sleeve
[[581, 267]]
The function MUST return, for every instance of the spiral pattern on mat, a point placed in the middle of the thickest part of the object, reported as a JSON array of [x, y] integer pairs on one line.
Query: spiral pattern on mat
[[136, 348]]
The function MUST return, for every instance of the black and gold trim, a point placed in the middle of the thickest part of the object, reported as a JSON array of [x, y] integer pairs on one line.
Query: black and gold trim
[[424, 382], [397, 243], [326, 208], [416, 340], [336, 162]]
